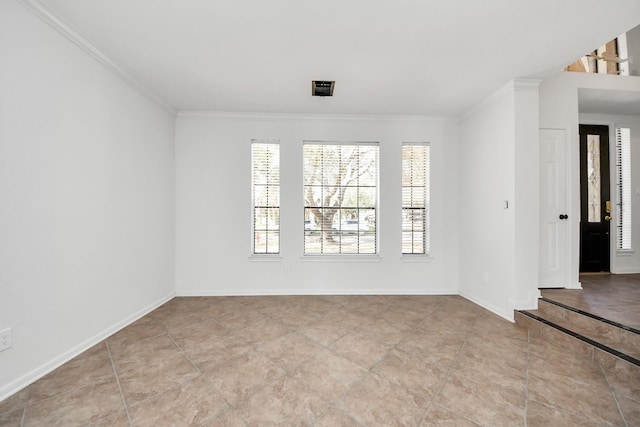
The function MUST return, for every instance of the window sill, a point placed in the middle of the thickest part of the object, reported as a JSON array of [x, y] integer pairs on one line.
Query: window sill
[[265, 258], [341, 258], [416, 258], [625, 252]]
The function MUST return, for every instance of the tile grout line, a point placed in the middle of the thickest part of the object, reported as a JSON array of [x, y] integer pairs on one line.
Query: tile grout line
[[431, 403], [24, 410], [328, 348], [526, 382], [395, 347], [360, 380], [446, 378], [179, 384], [115, 374], [612, 391], [185, 354], [201, 374]]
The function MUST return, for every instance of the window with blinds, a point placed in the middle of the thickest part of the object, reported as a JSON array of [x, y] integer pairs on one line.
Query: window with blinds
[[265, 178], [340, 197], [623, 187], [415, 198]]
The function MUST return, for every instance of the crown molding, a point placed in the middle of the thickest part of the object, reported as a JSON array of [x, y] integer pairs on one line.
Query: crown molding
[[65, 29], [526, 83]]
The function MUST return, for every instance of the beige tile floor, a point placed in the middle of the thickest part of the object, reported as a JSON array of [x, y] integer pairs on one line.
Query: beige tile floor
[[325, 361]]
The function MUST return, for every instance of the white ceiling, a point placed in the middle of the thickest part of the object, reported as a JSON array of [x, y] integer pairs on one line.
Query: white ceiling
[[400, 57]]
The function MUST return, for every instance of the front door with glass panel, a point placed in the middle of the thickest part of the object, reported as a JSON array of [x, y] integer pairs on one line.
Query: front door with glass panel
[[595, 201]]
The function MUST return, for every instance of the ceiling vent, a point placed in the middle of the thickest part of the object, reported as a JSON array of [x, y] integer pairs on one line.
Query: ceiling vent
[[322, 88]]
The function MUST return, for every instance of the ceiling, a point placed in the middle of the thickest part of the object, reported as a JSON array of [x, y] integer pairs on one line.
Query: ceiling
[[398, 57]]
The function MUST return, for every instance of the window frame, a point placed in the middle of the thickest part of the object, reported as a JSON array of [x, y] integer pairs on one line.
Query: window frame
[[253, 231], [339, 255], [426, 206], [624, 217]]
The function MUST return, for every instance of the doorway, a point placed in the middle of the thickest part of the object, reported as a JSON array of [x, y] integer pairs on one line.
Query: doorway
[[595, 200]]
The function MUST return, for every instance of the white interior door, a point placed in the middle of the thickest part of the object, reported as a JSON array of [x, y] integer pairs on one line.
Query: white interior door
[[554, 227]]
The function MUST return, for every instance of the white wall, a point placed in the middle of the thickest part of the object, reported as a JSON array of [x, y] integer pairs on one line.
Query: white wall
[[526, 195], [213, 196], [487, 181], [86, 199], [633, 51], [499, 244], [559, 110], [622, 261]]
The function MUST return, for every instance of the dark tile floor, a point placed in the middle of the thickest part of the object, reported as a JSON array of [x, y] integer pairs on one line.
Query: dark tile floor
[[326, 361]]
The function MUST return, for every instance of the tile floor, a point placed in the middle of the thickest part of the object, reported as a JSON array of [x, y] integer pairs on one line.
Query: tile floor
[[612, 296], [325, 361]]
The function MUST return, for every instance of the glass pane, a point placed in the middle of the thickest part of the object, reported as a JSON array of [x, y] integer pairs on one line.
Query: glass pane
[[367, 242], [312, 243], [367, 197], [260, 245], [273, 242], [266, 197], [334, 180], [350, 197], [418, 243], [331, 245], [273, 196], [260, 218], [328, 197], [593, 177], [413, 219], [367, 218], [326, 222], [413, 197], [273, 218], [407, 240]]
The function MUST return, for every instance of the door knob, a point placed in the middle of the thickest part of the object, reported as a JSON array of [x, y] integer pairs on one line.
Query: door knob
[[607, 218], [563, 216]]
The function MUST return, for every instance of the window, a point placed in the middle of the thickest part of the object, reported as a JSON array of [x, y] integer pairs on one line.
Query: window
[[415, 198], [610, 58], [623, 187], [265, 173], [340, 197]]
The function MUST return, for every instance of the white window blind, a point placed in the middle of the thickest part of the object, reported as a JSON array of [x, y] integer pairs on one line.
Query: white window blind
[[623, 187], [415, 198], [265, 166], [340, 198]]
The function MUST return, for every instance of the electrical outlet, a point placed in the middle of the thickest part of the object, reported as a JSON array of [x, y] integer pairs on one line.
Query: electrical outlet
[[5, 339]]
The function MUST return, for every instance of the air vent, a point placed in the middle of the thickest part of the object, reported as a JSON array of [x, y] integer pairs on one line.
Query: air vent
[[322, 88]]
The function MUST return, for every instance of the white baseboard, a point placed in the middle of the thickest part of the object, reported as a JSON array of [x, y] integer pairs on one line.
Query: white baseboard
[[505, 314], [29, 378], [531, 303], [630, 270], [577, 285]]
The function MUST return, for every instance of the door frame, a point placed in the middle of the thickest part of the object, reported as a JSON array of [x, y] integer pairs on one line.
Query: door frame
[[565, 232], [593, 119]]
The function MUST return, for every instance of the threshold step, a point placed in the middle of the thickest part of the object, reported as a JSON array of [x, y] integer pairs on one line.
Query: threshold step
[[540, 326], [622, 338]]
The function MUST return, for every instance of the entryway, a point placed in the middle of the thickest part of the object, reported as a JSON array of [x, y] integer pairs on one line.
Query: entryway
[[595, 200]]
